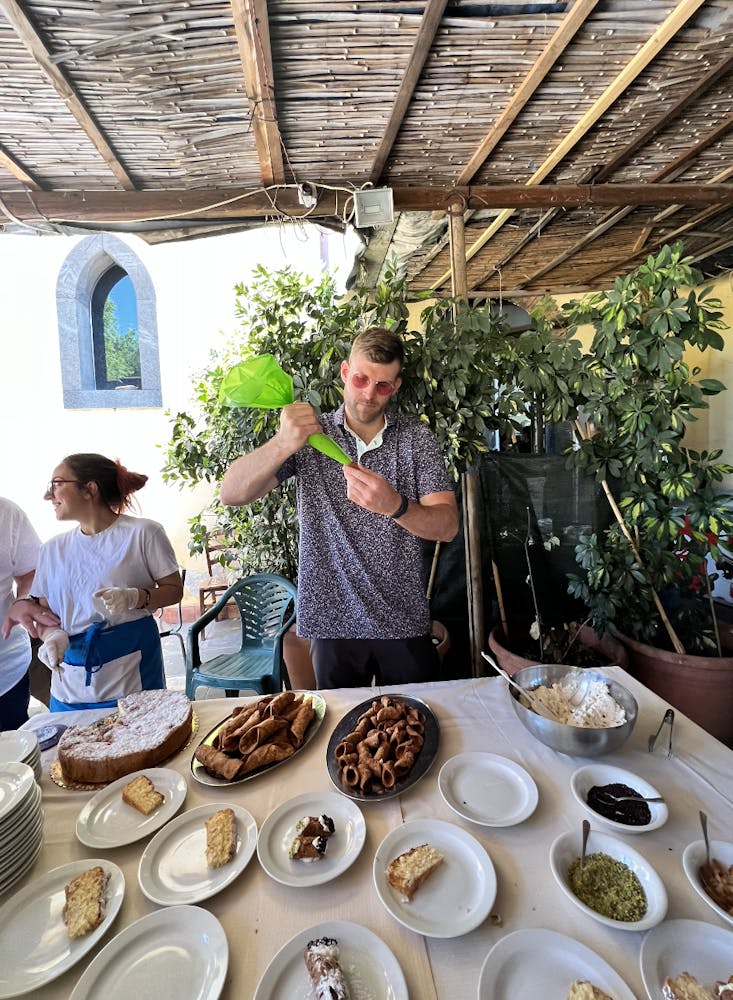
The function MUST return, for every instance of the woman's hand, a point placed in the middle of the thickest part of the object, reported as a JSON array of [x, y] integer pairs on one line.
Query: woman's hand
[[116, 600], [54, 649], [31, 615]]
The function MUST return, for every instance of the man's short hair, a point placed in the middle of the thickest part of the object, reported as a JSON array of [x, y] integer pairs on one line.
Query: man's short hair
[[379, 345]]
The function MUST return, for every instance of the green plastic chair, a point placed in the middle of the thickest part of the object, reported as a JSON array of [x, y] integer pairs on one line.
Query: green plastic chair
[[267, 605]]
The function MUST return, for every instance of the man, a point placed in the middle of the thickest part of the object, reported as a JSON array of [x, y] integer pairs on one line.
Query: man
[[361, 592], [19, 546]]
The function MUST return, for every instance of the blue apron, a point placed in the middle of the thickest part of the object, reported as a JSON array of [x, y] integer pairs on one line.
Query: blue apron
[[101, 643]]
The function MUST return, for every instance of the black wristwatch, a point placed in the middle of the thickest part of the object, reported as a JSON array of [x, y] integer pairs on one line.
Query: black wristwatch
[[404, 504]]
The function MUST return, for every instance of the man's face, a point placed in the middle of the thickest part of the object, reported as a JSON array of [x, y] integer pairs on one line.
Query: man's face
[[368, 387]]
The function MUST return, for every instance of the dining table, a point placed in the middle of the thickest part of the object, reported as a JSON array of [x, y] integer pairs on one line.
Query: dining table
[[259, 914]]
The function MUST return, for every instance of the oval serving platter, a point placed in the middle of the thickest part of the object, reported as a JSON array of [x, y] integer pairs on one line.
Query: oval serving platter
[[202, 775], [420, 768]]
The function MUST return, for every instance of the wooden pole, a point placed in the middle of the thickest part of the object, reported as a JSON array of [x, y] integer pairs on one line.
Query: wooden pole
[[471, 523]]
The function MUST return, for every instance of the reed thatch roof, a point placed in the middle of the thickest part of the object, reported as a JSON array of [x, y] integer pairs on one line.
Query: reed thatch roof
[[574, 137]]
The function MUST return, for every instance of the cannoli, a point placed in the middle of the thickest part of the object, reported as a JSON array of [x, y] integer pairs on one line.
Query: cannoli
[[270, 753], [301, 722], [217, 763], [322, 961], [315, 826], [308, 848], [261, 734]]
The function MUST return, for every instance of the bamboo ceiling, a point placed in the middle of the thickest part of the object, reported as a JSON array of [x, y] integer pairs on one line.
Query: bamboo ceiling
[[572, 138]]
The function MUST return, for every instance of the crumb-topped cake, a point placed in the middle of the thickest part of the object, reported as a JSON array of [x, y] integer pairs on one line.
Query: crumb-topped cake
[[148, 727]]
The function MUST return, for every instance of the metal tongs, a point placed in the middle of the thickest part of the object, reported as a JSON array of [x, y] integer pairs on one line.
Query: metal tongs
[[668, 717]]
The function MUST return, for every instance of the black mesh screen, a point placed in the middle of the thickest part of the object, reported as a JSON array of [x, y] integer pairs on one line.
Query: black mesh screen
[[562, 503]]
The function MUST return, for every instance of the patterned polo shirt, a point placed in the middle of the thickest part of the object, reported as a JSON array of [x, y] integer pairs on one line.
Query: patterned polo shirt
[[360, 574]]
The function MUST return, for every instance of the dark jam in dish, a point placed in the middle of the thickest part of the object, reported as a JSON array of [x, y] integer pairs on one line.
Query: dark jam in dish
[[632, 813]]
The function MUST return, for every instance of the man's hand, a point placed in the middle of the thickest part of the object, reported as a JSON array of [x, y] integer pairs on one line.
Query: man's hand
[[117, 600], [31, 615], [297, 422], [52, 651], [371, 491]]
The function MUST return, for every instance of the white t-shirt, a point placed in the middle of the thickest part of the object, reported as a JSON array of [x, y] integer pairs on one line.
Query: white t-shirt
[[131, 552], [19, 545]]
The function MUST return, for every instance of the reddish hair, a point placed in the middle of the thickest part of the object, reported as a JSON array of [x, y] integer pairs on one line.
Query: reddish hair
[[115, 483]]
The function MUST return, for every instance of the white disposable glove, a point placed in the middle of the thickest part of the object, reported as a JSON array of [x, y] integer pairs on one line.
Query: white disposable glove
[[118, 599], [52, 651]]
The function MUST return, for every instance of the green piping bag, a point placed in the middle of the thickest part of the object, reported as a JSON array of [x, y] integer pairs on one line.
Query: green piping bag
[[260, 383]]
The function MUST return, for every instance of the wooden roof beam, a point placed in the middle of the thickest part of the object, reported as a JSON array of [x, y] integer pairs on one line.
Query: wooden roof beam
[[224, 204], [651, 48], [674, 167], [253, 37], [570, 26], [28, 35], [432, 16], [647, 134], [18, 171]]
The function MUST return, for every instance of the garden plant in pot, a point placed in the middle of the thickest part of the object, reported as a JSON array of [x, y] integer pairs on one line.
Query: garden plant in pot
[[645, 577], [537, 373], [302, 324]]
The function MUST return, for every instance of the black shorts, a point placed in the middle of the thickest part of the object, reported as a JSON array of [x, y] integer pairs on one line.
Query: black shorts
[[356, 662]]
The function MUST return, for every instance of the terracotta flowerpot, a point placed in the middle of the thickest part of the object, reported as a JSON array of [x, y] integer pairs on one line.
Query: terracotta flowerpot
[[699, 686], [609, 648], [297, 656]]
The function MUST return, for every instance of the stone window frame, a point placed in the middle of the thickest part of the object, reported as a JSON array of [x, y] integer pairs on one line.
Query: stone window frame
[[78, 277]]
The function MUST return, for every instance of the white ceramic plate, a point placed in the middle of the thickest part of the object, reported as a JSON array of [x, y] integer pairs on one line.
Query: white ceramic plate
[[566, 849], [528, 964], [604, 774], [107, 821], [16, 782], [10, 880], [26, 839], [181, 951], [25, 814], [34, 945], [173, 867], [703, 950], [18, 745], [458, 895], [371, 969], [487, 789], [692, 859], [344, 844]]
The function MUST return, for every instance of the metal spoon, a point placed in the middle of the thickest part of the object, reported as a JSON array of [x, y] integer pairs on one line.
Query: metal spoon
[[535, 703], [584, 842], [574, 685], [705, 869], [632, 798], [704, 825]]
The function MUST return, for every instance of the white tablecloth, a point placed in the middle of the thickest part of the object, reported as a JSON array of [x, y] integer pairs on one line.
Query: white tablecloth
[[259, 914]]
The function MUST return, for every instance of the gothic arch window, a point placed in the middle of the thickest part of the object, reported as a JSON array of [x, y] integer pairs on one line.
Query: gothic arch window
[[108, 331]]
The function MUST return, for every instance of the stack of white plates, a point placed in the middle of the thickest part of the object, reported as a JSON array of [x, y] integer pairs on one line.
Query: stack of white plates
[[21, 822], [21, 746]]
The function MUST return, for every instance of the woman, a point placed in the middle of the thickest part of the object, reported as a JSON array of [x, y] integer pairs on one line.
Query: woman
[[104, 579]]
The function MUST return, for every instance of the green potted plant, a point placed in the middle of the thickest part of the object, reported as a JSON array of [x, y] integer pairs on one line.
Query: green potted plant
[[537, 373], [645, 577]]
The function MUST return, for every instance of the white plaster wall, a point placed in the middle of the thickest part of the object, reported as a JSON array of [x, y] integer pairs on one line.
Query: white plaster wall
[[194, 285]]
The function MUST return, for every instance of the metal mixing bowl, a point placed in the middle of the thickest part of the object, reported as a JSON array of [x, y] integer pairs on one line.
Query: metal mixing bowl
[[572, 740]]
